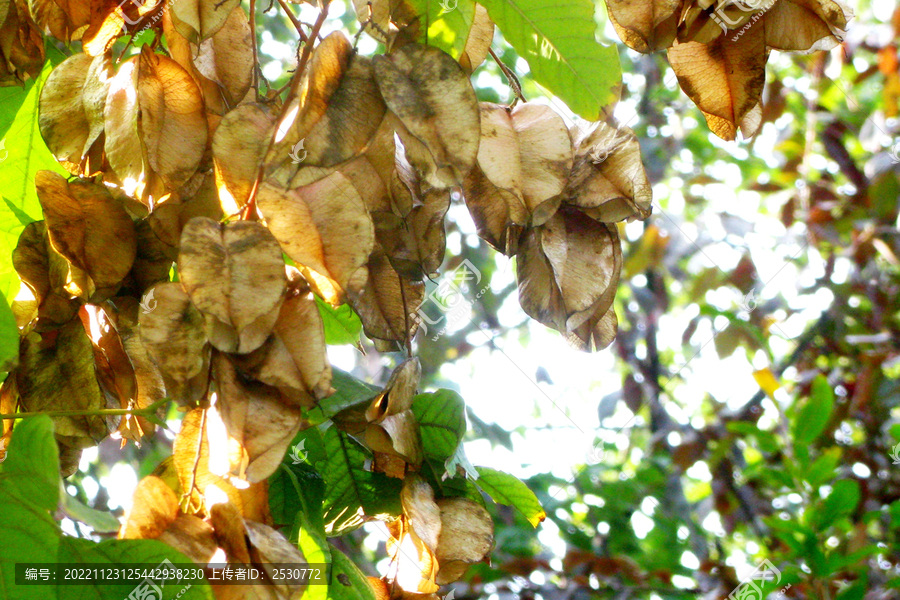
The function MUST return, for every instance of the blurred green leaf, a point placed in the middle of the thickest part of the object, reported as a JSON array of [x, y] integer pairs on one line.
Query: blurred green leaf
[[813, 415], [445, 29], [559, 42], [840, 502], [9, 337]]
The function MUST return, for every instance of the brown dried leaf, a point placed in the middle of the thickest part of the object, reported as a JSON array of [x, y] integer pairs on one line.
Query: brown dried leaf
[[193, 537], [21, 44], [56, 372], [523, 161], [568, 269], [109, 19], [200, 460], [725, 80], [239, 147], [256, 417], [44, 271], [154, 105], [63, 19], [417, 499], [323, 227], [154, 508], [268, 547], [398, 393], [337, 110], [199, 20], [91, 229], [230, 532], [481, 35], [115, 372], [227, 57], [608, 181], [432, 97], [645, 25], [387, 304], [234, 274], [71, 108], [416, 565], [171, 330], [294, 359], [467, 535], [411, 228], [806, 25]]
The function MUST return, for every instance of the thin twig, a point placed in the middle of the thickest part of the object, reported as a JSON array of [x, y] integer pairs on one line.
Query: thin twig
[[250, 208], [255, 51], [514, 83], [294, 20], [100, 412]]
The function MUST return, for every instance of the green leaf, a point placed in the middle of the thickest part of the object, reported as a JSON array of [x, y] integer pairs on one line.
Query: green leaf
[[9, 336], [33, 462], [442, 422], [24, 154], [503, 488], [315, 549], [98, 520], [351, 491], [445, 29], [294, 489], [813, 416], [121, 552], [27, 152], [29, 484], [840, 502], [342, 325], [29, 493], [348, 391], [557, 40], [824, 468], [347, 581]]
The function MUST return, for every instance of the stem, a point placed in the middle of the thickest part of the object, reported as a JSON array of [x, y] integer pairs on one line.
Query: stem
[[255, 53], [294, 20], [514, 83], [100, 412]]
